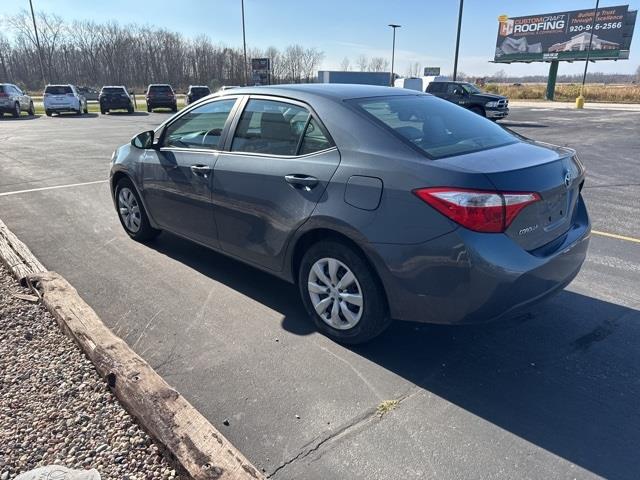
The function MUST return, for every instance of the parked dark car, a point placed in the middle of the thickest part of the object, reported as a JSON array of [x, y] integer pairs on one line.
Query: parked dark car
[[196, 92], [378, 202], [14, 101], [161, 96], [115, 98], [90, 94], [469, 96]]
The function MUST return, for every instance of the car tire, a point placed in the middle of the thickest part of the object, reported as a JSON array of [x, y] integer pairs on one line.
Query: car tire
[[79, 111], [86, 109], [47, 113], [131, 212], [367, 312], [478, 110], [103, 111], [130, 109], [149, 109], [174, 108], [32, 110], [16, 110]]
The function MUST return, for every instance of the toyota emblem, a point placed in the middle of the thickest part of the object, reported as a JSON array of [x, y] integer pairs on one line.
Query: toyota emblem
[[567, 179]]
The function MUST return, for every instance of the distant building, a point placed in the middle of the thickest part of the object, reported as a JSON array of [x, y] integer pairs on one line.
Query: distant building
[[362, 78], [580, 42]]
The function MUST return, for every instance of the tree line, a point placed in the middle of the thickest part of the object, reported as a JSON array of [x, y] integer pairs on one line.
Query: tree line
[[95, 54]]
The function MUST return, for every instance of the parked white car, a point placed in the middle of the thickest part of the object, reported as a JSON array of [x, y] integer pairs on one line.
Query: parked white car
[[14, 101], [63, 98]]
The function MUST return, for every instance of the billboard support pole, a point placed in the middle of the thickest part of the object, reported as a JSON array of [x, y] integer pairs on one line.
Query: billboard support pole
[[580, 99], [455, 60], [551, 80]]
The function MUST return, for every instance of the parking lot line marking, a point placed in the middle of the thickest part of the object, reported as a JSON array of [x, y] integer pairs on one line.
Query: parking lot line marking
[[51, 188], [615, 235]]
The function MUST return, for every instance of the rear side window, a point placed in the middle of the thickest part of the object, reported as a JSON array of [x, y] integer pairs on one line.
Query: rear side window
[[437, 87], [270, 127], [201, 127], [436, 127], [314, 139], [58, 89], [200, 91]]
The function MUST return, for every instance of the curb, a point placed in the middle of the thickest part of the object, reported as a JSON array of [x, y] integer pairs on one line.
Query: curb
[[200, 449]]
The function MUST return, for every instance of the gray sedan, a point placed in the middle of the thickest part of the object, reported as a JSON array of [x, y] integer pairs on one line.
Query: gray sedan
[[379, 203]]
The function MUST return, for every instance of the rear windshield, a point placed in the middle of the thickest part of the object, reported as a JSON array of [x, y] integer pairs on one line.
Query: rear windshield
[[58, 89], [199, 90], [437, 127], [160, 89], [1, 88], [113, 90]]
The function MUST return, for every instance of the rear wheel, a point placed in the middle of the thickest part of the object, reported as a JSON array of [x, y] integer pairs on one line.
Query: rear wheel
[[342, 293], [16, 110], [103, 110], [130, 109], [149, 109], [79, 111], [174, 108], [131, 212], [32, 109], [47, 113], [86, 108]]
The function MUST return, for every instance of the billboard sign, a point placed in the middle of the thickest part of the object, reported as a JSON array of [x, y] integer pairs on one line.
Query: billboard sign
[[431, 71], [563, 36], [260, 70]]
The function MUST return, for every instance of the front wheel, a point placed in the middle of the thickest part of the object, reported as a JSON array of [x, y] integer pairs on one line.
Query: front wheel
[[342, 293], [16, 110], [32, 110], [131, 212]]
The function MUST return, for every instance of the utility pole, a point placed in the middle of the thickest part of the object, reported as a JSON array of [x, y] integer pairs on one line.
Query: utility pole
[[455, 60], [580, 99], [35, 29], [393, 51], [244, 43]]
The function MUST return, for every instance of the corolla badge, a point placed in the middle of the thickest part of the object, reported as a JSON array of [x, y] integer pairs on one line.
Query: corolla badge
[[529, 229]]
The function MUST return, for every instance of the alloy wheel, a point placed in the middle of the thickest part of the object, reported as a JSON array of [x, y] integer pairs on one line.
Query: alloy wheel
[[129, 210], [335, 293]]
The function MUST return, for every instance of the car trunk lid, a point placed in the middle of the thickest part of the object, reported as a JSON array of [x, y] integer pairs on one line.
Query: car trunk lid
[[552, 172]]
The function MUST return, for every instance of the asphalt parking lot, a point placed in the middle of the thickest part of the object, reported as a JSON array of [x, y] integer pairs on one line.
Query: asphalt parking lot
[[550, 395]]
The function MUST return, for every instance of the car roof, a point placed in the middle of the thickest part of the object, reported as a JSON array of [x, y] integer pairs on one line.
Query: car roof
[[113, 86], [159, 85], [331, 91], [198, 86]]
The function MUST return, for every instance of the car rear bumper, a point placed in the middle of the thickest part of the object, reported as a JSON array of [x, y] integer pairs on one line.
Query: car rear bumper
[[124, 103], [467, 277], [166, 103], [496, 113]]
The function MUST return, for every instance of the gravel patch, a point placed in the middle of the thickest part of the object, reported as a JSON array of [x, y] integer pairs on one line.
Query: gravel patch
[[55, 408]]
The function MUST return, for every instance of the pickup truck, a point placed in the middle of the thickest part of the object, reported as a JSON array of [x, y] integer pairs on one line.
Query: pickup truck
[[471, 97]]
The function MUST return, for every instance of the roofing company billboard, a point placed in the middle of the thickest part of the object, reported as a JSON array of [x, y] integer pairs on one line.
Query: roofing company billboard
[[565, 36]]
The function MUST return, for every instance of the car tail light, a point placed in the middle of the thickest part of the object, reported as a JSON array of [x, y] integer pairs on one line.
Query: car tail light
[[478, 210], [2, 94]]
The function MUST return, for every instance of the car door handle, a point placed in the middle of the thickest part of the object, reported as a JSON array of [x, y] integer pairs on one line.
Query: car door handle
[[200, 170], [301, 181]]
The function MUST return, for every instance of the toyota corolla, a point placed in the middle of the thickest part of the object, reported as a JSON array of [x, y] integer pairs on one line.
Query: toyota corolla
[[379, 203]]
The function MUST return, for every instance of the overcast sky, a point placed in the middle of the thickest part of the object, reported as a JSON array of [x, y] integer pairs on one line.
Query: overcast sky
[[346, 28]]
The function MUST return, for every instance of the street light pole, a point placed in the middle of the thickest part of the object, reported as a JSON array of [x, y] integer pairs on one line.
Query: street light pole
[[35, 29], [393, 52], [244, 43], [586, 63], [455, 60]]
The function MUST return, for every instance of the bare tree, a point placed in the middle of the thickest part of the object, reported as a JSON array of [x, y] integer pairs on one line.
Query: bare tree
[[363, 62], [346, 64], [378, 64], [414, 69]]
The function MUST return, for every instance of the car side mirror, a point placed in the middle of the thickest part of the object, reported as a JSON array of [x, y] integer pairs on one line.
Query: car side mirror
[[143, 140]]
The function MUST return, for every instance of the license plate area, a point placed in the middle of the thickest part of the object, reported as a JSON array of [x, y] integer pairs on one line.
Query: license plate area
[[556, 210]]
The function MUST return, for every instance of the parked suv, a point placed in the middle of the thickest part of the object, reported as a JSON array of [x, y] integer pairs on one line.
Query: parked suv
[[13, 100], [63, 98], [471, 97], [115, 98], [196, 92], [160, 95]]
